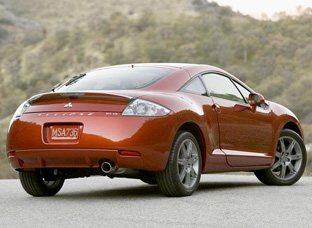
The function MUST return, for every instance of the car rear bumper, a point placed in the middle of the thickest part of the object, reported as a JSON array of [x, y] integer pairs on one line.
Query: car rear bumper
[[103, 137], [69, 158]]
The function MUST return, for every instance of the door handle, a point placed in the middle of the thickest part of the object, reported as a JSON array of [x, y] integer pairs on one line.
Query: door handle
[[216, 108]]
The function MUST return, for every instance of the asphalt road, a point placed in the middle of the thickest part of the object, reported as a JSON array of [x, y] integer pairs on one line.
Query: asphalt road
[[220, 201]]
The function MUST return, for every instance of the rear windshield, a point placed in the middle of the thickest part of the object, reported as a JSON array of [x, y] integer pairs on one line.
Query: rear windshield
[[117, 79]]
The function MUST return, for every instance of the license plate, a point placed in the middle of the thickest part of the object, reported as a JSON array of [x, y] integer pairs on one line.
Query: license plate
[[63, 132]]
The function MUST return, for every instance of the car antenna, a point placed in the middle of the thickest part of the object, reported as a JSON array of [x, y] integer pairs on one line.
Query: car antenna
[[132, 65]]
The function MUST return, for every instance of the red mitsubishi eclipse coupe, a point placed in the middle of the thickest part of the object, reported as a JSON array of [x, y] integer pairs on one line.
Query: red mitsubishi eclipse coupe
[[165, 124]]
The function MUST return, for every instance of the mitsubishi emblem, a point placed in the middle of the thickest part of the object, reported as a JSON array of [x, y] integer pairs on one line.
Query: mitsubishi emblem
[[69, 105]]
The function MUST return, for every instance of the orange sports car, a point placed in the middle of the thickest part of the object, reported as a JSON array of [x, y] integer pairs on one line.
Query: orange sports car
[[165, 124]]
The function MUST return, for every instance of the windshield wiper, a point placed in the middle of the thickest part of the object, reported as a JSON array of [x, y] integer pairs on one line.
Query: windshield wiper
[[75, 78]]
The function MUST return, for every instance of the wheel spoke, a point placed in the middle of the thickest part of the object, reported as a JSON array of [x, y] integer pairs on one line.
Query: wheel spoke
[[282, 143], [182, 175], [183, 150], [276, 165], [181, 161], [295, 157], [193, 159], [193, 173], [291, 168], [189, 149], [291, 146], [283, 172], [188, 179], [278, 154]]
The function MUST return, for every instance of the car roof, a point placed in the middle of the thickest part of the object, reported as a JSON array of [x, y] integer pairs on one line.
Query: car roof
[[176, 66]]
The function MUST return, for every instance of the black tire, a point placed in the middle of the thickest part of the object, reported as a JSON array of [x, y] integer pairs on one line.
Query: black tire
[[169, 180], [149, 180], [35, 185], [295, 157]]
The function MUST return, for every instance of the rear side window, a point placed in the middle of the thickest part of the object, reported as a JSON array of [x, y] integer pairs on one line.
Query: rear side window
[[117, 79], [222, 87], [195, 86]]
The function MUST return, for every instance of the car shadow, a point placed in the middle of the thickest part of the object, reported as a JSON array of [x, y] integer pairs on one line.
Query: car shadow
[[149, 191], [217, 186]]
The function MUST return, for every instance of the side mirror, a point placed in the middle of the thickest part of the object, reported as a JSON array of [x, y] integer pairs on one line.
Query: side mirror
[[255, 99]]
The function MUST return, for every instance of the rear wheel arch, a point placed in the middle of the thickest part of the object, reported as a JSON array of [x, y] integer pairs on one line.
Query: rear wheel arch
[[182, 174], [194, 129]]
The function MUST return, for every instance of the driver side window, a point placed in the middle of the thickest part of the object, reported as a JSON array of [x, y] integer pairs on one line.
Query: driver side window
[[222, 87]]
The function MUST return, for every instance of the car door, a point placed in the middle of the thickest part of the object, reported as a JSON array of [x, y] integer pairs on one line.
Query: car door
[[245, 136]]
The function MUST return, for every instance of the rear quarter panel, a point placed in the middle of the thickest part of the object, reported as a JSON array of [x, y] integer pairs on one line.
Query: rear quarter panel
[[196, 109]]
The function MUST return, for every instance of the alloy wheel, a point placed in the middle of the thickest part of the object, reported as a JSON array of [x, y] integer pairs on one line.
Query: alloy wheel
[[188, 164], [288, 158]]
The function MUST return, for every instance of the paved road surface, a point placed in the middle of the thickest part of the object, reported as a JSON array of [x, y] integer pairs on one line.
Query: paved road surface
[[220, 201]]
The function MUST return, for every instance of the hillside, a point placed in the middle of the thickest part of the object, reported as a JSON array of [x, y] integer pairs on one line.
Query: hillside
[[45, 41]]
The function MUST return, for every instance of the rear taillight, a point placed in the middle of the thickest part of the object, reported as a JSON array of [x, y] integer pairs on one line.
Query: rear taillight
[[140, 107]]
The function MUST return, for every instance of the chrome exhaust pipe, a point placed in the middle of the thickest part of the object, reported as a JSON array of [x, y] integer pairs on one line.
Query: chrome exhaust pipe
[[108, 167]]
